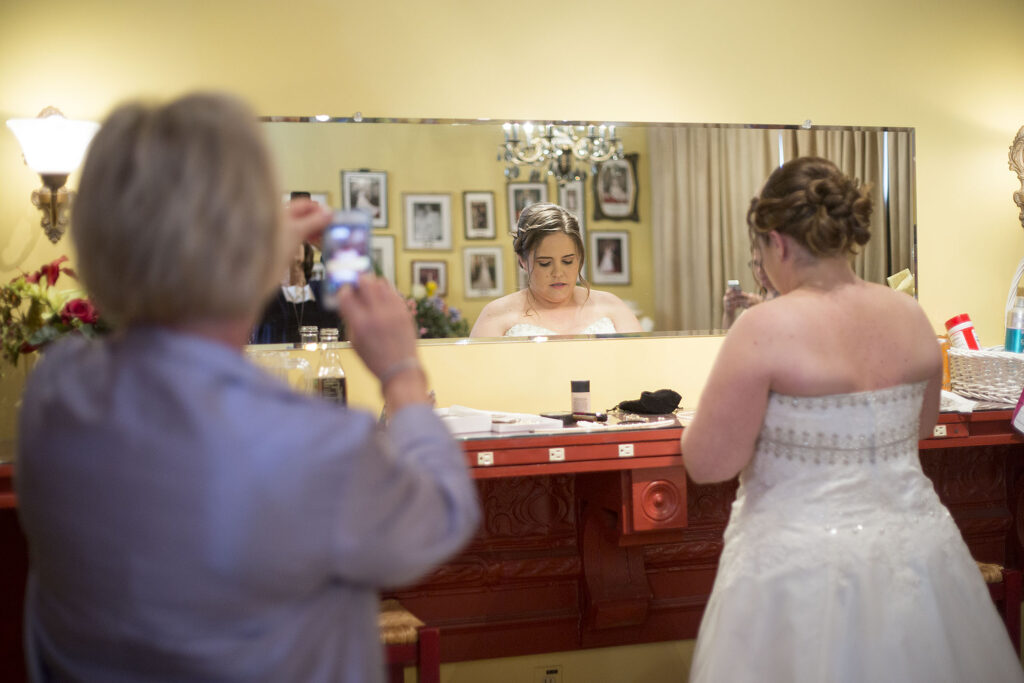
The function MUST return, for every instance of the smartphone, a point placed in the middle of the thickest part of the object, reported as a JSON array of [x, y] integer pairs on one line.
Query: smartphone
[[734, 285], [346, 252]]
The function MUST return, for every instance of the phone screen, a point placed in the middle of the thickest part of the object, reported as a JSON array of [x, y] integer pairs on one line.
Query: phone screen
[[346, 250]]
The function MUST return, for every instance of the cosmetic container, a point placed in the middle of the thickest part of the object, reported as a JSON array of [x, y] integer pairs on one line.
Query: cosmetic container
[[580, 395], [961, 333]]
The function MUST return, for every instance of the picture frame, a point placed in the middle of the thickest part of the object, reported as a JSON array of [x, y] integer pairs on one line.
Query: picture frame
[[425, 271], [382, 255], [570, 198], [615, 190], [483, 271], [520, 196], [609, 258], [478, 215], [320, 198], [428, 221], [367, 191], [522, 277]]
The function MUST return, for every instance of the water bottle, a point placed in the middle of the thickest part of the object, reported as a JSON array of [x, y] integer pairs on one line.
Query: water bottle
[[330, 376], [1015, 327]]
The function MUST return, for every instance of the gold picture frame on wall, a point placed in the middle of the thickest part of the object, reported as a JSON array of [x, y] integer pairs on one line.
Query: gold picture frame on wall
[[478, 215], [615, 190], [520, 196], [609, 258], [484, 272], [426, 271]]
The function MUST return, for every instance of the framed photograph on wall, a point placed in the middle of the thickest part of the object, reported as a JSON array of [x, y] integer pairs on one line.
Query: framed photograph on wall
[[426, 271], [609, 258], [522, 277], [484, 274], [478, 212], [428, 221], [382, 254], [366, 191], [570, 197], [615, 190], [318, 197], [520, 196]]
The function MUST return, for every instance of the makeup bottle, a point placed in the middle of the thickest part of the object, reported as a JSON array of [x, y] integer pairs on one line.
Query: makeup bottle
[[580, 395]]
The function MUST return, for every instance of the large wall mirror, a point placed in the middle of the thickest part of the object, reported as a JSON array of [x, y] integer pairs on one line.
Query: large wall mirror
[[443, 203]]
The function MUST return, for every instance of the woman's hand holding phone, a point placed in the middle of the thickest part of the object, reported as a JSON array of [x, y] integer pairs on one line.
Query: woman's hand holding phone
[[381, 329]]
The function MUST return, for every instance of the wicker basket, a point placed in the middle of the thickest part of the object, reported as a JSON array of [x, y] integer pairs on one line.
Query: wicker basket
[[987, 375]]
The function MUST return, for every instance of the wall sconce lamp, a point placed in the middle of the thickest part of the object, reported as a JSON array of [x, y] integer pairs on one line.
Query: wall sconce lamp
[[53, 147]]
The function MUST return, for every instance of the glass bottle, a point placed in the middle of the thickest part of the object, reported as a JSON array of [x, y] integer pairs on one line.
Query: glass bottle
[[308, 337], [330, 377]]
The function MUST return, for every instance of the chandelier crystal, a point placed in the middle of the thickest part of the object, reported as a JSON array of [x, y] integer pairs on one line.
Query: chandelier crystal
[[562, 150]]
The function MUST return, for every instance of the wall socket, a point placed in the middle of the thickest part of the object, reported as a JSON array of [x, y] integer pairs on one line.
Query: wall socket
[[548, 674]]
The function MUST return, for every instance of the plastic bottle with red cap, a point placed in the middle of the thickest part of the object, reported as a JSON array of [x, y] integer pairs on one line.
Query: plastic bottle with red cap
[[961, 333]]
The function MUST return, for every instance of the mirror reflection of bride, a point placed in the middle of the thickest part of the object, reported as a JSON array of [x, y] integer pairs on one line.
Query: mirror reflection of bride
[[557, 299]]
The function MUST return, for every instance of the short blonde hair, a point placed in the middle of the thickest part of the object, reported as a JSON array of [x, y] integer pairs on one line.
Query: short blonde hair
[[178, 216]]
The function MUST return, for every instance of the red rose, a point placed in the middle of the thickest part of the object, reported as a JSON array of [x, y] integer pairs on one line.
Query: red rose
[[81, 309]]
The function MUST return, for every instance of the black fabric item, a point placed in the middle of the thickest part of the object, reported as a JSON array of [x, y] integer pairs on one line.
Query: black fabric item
[[660, 402]]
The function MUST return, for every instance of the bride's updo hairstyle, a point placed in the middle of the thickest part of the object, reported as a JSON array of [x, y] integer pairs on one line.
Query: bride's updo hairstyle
[[813, 202], [537, 221]]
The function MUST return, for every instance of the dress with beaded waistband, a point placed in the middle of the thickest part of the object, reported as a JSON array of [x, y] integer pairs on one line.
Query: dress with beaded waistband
[[841, 564]]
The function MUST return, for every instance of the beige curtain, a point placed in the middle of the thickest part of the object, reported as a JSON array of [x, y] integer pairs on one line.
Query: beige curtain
[[702, 183]]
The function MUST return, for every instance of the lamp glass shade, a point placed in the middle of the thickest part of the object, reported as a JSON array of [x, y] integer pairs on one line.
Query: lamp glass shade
[[53, 144]]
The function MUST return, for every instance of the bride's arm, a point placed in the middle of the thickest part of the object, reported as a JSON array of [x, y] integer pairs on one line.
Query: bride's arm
[[493, 319], [616, 309], [720, 441]]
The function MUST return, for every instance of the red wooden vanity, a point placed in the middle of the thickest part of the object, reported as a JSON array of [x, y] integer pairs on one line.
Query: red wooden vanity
[[599, 539]]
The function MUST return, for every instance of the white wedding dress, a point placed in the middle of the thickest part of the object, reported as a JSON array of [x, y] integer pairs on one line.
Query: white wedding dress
[[599, 326], [841, 564]]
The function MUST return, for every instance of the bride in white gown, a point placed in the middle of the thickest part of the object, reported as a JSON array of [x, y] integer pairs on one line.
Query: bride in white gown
[[549, 248], [840, 563]]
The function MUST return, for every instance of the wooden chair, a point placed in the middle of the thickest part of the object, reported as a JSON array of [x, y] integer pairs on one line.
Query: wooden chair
[[408, 641], [1004, 585]]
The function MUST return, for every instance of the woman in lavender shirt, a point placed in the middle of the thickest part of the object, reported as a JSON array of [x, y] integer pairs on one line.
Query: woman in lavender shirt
[[189, 517]]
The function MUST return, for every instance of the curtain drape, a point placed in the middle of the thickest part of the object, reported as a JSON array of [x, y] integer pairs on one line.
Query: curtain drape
[[703, 180]]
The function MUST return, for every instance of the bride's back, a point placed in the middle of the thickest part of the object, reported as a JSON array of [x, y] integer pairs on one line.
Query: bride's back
[[855, 337]]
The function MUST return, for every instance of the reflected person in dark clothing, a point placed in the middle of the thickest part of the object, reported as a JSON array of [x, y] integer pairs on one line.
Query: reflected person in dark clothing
[[297, 302]]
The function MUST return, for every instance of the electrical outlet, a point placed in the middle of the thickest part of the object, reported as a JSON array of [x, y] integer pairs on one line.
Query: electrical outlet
[[548, 674]]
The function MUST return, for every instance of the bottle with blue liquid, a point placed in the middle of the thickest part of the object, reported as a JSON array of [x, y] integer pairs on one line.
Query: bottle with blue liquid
[[1015, 327]]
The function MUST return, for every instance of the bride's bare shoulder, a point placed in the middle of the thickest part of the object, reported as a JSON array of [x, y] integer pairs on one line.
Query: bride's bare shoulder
[[498, 315]]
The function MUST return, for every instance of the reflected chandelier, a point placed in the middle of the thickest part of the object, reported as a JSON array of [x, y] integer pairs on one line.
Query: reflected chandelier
[[558, 148]]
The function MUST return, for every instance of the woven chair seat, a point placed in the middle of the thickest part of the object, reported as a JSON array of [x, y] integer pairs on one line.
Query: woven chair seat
[[397, 625], [992, 573]]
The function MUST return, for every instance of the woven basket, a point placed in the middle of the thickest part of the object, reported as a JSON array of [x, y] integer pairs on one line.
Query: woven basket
[[987, 375]]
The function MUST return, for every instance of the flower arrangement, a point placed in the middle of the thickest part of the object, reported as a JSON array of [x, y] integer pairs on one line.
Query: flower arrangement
[[33, 313], [435, 319]]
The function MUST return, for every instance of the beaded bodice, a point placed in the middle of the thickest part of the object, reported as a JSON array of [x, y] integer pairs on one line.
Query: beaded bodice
[[599, 326], [829, 474]]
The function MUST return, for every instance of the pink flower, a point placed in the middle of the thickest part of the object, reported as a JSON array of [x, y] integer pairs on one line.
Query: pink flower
[[80, 309], [52, 270]]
